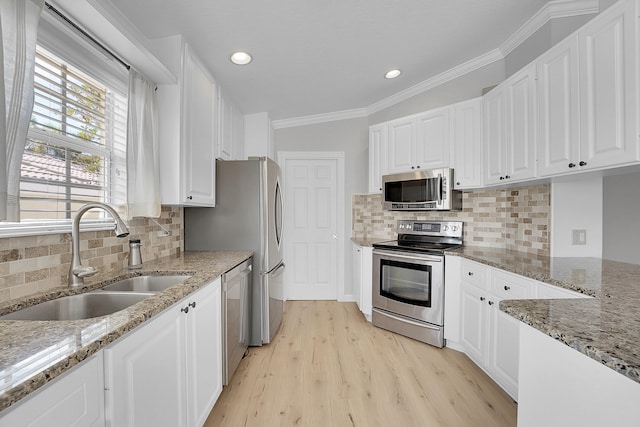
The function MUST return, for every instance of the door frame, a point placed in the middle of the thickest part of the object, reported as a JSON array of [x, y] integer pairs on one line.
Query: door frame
[[338, 157]]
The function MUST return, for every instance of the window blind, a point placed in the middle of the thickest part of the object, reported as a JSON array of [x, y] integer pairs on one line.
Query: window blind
[[76, 147]]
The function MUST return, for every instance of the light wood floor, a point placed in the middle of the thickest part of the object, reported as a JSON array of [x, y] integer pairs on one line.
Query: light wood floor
[[329, 367]]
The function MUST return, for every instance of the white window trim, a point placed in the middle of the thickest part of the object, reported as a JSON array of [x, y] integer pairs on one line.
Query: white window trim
[[12, 229]]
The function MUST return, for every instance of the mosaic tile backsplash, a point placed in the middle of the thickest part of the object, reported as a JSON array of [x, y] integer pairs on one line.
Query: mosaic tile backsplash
[[514, 218], [33, 264]]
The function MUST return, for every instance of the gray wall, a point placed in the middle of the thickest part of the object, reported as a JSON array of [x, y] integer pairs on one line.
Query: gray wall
[[349, 136], [620, 228], [460, 89]]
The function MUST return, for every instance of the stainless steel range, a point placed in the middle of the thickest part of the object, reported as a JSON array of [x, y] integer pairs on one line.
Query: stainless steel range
[[408, 279]]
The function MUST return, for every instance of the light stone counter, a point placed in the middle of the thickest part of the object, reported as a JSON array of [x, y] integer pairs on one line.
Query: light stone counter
[[605, 328], [32, 353]]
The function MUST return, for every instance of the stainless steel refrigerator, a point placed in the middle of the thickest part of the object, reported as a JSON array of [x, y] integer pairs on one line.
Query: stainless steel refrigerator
[[247, 216]]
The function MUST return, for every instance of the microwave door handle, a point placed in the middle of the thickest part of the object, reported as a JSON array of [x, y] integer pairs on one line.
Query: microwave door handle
[[439, 189]]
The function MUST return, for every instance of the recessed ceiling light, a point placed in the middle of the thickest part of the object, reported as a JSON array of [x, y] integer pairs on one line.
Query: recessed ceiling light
[[392, 74], [240, 58]]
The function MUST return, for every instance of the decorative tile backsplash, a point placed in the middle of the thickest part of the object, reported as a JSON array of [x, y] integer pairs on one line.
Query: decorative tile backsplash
[[514, 218], [33, 264]]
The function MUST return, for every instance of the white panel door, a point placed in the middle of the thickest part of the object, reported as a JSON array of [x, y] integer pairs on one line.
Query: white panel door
[[311, 228]]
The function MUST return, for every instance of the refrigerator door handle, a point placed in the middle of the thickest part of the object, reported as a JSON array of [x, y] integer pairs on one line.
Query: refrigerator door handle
[[274, 269]]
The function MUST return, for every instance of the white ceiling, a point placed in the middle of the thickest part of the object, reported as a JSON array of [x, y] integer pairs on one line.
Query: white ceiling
[[321, 56]]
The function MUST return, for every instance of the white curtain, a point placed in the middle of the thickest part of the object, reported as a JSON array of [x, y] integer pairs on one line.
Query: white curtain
[[18, 34], [143, 175]]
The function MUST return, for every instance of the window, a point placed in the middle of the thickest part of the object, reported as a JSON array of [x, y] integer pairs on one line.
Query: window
[[76, 146]]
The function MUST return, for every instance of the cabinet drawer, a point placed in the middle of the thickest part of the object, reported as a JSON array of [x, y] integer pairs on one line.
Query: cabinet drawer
[[510, 286], [474, 273]]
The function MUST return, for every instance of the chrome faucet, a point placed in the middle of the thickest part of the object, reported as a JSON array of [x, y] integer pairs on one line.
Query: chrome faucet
[[77, 272]]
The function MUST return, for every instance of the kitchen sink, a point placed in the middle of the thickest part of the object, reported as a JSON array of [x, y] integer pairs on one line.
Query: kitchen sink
[[77, 307], [146, 283]]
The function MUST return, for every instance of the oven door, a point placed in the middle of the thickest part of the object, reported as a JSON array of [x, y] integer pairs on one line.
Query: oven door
[[409, 284]]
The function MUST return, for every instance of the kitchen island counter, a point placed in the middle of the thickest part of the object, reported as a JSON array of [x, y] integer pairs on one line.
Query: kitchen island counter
[[605, 328], [32, 353]]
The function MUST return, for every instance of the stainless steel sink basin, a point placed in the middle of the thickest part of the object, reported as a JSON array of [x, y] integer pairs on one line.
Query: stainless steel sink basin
[[146, 283], [77, 307]]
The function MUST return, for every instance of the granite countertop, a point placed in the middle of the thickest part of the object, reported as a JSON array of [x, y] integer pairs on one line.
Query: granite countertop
[[33, 353], [605, 328], [367, 242]]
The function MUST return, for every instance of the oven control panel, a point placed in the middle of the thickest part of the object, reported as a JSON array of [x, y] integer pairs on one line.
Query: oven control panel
[[431, 228]]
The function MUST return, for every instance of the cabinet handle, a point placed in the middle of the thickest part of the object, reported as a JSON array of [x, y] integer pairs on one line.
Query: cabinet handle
[[185, 310], [582, 163], [482, 298], [193, 304], [490, 302], [572, 165], [189, 197], [470, 273], [506, 288]]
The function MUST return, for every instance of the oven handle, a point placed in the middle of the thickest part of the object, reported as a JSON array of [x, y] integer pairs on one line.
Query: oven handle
[[405, 320], [412, 257]]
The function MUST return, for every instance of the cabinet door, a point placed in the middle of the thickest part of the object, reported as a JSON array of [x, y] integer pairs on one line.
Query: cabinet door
[[495, 135], [558, 109], [402, 136], [144, 375], [203, 331], [356, 273], [433, 141], [225, 131], [377, 157], [521, 156], [198, 134], [608, 54], [503, 348], [473, 324], [467, 144], [367, 282], [237, 148], [75, 399]]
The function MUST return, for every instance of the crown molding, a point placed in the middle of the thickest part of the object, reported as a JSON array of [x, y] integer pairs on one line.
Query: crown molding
[[320, 118], [551, 10], [437, 80]]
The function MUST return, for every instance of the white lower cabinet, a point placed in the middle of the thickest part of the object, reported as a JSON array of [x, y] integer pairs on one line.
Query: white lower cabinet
[[168, 372], [75, 399], [362, 277], [490, 337]]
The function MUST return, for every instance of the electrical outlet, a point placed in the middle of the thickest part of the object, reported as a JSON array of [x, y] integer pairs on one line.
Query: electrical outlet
[[579, 237], [162, 233]]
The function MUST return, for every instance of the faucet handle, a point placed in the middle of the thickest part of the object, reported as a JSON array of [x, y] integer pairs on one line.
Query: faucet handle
[[83, 271]]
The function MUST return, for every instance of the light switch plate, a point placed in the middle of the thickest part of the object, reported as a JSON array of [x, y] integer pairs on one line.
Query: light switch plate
[[579, 237]]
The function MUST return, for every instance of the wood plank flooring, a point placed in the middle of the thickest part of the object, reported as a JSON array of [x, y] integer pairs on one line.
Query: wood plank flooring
[[328, 366]]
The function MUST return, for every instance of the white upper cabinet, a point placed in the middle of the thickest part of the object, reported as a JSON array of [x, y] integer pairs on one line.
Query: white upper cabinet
[[231, 129], [421, 141], [607, 51], [587, 87], [187, 124], [377, 156], [509, 129], [467, 144], [559, 106]]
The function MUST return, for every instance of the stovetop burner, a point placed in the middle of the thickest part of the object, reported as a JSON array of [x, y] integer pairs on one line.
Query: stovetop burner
[[423, 236]]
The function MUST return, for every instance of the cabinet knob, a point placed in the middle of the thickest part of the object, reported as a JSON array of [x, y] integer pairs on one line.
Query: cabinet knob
[[457, 182], [418, 167], [482, 298], [189, 197], [501, 178], [193, 304], [490, 302], [470, 273], [380, 188], [185, 310], [506, 288], [582, 163], [507, 177], [412, 167], [572, 165]]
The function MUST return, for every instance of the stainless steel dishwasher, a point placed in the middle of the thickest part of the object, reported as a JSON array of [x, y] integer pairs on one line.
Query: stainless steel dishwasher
[[236, 285]]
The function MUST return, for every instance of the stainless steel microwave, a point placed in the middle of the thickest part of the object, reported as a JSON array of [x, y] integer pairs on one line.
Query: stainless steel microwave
[[425, 190]]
